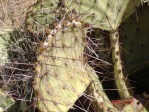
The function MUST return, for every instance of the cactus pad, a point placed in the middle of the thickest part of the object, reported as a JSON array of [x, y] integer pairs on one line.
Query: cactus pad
[[6, 101], [62, 76], [4, 37], [134, 36], [104, 14], [41, 15]]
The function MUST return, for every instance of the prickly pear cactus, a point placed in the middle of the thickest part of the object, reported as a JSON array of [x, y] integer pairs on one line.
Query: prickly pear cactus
[[107, 15], [134, 36], [41, 15], [119, 76], [4, 37], [6, 101], [62, 76], [104, 14], [100, 100]]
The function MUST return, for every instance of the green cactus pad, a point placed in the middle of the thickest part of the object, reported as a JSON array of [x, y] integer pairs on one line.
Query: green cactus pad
[[104, 14], [62, 76], [4, 37], [134, 36], [6, 101], [41, 15], [119, 76], [100, 100]]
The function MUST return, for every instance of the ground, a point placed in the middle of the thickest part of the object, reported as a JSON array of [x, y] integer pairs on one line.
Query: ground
[[12, 12]]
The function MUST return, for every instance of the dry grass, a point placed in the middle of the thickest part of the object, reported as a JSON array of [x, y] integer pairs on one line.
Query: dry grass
[[13, 12]]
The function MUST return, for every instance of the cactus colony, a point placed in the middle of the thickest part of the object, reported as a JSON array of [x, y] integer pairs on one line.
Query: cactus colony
[[62, 72]]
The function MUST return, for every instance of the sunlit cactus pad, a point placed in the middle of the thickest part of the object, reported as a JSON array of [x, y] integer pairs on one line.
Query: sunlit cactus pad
[[104, 14], [6, 101], [62, 76]]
